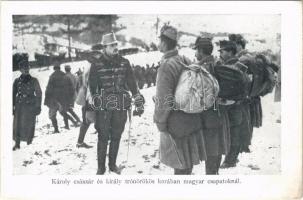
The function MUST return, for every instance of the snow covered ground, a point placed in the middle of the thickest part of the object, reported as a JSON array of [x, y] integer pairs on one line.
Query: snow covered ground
[[57, 154]]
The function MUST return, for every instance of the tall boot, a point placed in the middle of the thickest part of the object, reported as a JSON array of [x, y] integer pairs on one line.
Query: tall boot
[[218, 163], [101, 155], [55, 125], [211, 165], [71, 111], [17, 144], [113, 152], [231, 158], [65, 118]]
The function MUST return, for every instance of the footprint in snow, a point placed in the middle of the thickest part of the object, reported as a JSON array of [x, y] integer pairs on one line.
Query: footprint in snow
[[139, 172], [47, 152]]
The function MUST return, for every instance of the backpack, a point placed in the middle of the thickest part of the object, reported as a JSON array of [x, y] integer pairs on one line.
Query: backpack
[[263, 75], [196, 90], [233, 81]]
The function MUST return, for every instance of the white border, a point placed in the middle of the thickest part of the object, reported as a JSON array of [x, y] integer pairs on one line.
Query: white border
[[287, 185]]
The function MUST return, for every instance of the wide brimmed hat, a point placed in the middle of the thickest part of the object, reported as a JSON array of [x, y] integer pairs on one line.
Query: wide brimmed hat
[[203, 42], [226, 45], [108, 39], [170, 32]]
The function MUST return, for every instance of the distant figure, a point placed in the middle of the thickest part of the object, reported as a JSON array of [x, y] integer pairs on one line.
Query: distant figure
[[139, 74], [148, 75], [74, 81], [26, 106], [153, 74], [58, 95]]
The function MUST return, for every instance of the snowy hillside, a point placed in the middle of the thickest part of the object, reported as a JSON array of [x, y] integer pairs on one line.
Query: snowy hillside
[[56, 154]]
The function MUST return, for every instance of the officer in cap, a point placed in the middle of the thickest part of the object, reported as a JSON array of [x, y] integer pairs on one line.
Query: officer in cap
[[27, 97]]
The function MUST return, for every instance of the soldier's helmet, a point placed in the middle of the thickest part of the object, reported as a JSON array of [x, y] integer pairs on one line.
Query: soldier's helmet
[[108, 39], [170, 32]]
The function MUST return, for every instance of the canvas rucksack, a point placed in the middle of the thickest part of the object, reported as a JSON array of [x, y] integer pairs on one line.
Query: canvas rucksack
[[233, 81], [196, 90], [264, 77]]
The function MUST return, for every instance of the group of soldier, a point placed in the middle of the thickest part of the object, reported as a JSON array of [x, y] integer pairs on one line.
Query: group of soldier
[[146, 75], [109, 88]]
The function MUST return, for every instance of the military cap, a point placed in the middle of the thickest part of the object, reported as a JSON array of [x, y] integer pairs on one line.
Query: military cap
[[56, 66], [237, 38], [203, 42], [67, 67], [170, 32], [226, 45]]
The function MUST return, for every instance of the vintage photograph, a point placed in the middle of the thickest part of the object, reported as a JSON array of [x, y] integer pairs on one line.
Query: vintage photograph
[[138, 94]]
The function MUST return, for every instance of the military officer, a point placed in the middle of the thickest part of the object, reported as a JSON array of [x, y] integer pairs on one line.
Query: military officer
[[110, 80]]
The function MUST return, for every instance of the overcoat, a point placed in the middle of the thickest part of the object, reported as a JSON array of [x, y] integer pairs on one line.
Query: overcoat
[[26, 106], [59, 90], [214, 121], [239, 120], [190, 148]]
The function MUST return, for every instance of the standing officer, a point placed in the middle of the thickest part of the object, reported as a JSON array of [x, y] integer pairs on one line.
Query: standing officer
[[214, 120], [26, 105], [110, 80], [238, 112]]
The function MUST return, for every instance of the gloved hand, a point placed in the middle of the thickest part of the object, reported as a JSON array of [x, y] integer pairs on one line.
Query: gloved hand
[[139, 102]]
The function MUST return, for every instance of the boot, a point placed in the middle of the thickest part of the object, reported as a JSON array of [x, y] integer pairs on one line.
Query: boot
[[55, 125], [231, 158], [211, 165], [101, 154], [71, 111], [66, 122], [113, 152], [17, 145]]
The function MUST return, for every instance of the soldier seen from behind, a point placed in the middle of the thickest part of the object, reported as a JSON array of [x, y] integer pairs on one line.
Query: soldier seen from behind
[[74, 81], [181, 139], [27, 97], [58, 95], [110, 80], [214, 121]]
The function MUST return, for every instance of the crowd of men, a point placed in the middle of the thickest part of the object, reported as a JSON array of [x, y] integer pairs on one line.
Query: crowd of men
[[146, 75], [107, 90]]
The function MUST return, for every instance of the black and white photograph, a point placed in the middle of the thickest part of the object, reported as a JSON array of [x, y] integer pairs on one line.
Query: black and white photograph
[[117, 94]]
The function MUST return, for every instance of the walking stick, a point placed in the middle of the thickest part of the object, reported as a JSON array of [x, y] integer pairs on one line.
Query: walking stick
[[129, 130]]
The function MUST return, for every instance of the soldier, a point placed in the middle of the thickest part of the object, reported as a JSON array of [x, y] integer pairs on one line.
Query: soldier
[[238, 112], [58, 95], [81, 100], [27, 97], [215, 120], [154, 74], [255, 106], [181, 138], [139, 74], [74, 81], [110, 79], [148, 76]]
